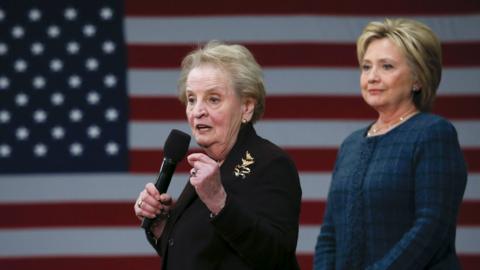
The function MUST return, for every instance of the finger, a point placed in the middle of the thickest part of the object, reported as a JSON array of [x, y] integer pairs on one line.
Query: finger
[[142, 210], [165, 199], [152, 191], [193, 158], [137, 209], [151, 205], [148, 210], [193, 172], [143, 213], [147, 204], [199, 157]]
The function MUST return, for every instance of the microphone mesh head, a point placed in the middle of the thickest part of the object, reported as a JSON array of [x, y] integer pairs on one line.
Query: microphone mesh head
[[176, 145]]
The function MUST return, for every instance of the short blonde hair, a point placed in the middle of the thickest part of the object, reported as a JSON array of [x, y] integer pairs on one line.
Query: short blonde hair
[[245, 73], [420, 46]]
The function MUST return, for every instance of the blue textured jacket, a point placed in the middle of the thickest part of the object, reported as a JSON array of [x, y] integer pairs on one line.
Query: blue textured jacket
[[394, 199]]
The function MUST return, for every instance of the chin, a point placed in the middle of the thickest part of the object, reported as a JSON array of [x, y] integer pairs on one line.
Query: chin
[[373, 102], [201, 141]]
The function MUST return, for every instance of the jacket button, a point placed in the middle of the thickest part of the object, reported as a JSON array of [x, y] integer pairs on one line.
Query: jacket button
[[170, 242]]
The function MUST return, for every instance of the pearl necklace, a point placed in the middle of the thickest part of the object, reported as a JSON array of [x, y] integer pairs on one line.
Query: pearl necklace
[[374, 130]]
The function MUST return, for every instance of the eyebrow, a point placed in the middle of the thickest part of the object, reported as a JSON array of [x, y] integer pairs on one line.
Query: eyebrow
[[208, 91], [381, 60]]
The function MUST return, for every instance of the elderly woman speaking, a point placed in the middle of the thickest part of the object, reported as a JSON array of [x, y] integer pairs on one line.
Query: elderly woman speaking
[[240, 208]]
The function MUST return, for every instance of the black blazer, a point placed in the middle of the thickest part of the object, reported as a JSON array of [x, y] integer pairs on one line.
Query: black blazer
[[257, 228]]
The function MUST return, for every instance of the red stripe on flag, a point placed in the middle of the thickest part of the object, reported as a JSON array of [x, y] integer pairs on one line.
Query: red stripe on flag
[[67, 214], [156, 108], [121, 262], [306, 160], [468, 214], [458, 107], [304, 108], [468, 262], [326, 107], [313, 212], [472, 157], [312, 159], [277, 107], [305, 260], [291, 55], [339, 7], [149, 161], [120, 214], [157, 56]]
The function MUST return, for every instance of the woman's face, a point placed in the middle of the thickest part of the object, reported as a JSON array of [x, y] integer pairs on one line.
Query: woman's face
[[214, 110], [386, 79]]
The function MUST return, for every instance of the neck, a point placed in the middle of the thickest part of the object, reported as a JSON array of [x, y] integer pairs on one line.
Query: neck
[[219, 150], [386, 123], [389, 117], [216, 153]]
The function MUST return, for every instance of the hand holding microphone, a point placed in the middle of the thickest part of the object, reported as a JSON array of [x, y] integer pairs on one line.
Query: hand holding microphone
[[151, 203], [152, 199]]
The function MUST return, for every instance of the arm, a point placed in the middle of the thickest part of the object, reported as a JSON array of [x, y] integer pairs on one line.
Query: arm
[[264, 234], [325, 248], [440, 178]]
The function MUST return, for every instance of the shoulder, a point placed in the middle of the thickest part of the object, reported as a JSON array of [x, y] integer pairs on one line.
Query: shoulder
[[433, 126], [356, 135], [268, 150], [354, 139], [429, 119], [268, 163], [267, 154], [258, 153]]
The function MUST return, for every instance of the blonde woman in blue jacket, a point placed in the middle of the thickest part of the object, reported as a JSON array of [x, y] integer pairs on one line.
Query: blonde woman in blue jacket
[[397, 184]]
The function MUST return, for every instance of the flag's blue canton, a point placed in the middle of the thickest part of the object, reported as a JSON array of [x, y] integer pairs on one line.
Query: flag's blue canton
[[63, 98]]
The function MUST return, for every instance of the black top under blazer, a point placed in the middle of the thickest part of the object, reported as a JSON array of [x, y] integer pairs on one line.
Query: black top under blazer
[[257, 228]]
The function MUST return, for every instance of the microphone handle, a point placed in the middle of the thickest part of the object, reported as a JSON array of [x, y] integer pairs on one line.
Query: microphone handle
[[163, 181]]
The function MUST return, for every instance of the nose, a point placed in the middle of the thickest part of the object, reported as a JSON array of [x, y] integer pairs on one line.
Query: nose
[[372, 75], [199, 109]]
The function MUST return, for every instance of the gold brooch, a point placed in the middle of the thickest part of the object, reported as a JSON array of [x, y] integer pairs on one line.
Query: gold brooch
[[242, 169]]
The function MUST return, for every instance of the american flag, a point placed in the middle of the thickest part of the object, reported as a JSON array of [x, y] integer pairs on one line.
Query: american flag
[[88, 97]]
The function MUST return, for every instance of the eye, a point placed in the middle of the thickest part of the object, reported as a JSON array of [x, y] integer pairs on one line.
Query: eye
[[190, 100], [365, 67], [387, 66], [214, 99]]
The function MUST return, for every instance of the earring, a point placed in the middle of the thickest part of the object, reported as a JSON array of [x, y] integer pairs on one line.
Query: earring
[[244, 121], [415, 88]]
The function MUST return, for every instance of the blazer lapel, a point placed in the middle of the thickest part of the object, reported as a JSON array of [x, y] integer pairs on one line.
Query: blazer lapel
[[186, 198]]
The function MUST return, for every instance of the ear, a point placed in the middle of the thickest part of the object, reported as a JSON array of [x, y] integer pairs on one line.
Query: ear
[[416, 87], [248, 108]]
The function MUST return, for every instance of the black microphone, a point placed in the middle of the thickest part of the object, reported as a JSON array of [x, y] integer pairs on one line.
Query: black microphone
[[175, 148]]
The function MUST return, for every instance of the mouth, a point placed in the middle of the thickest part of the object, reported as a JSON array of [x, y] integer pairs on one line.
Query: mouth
[[202, 127], [374, 91]]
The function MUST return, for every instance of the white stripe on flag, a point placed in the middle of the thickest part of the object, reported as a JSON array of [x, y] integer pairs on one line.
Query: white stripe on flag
[[466, 242], [300, 81], [98, 188], [112, 241], [338, 29], [285, 133]]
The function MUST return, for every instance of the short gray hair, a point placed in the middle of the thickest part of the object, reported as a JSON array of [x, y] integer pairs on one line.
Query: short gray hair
[[244, 71]]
